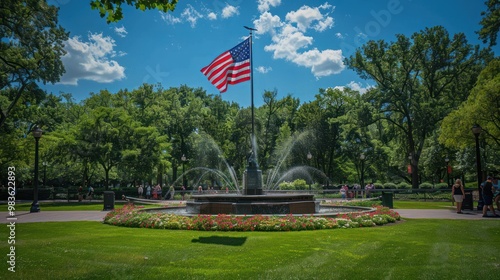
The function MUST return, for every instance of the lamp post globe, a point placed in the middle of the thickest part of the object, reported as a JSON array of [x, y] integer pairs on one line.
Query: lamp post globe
[[476, 130], [35, 207]]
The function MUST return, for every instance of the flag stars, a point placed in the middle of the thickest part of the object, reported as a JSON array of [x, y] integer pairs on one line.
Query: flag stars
[[241, 52]]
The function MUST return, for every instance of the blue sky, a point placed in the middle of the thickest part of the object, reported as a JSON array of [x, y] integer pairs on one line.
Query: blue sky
[[298, 48]]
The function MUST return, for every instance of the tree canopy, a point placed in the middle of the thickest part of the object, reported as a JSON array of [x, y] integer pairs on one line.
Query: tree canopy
[[112, 9], [31, 46], [490, 22], [419, 81]]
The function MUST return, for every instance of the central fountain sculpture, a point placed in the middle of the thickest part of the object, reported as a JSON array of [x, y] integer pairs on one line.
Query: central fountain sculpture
[[253, 201]]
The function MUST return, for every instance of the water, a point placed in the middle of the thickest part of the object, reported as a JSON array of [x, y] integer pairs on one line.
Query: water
[[210, 163]]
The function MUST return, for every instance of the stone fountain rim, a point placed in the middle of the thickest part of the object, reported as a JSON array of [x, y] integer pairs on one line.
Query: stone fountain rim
[[364, 210]]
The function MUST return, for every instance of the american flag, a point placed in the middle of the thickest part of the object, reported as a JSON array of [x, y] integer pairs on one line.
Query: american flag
[[231, 67]]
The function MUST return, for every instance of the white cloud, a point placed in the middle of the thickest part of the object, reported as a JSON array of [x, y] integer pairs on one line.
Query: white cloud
[[169, 19], [290, 42], [191, 15], [91, 60], [267, 23], [339, 35], [322, 63], [229, 11], [263, 69], [306, 16], [121, 31], [356, 86], [212, 16], [264, 5]]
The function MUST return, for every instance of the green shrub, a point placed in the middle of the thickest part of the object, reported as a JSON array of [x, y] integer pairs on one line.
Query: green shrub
[[441, 186], [390, 186], [404, 186], [298, 184], [426, 186]]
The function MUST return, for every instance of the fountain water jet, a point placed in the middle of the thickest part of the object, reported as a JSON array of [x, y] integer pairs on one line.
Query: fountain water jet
[[254, 200]]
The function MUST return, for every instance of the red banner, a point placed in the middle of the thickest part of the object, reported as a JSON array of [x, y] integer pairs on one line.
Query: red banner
[[409, 168], [449, 169]]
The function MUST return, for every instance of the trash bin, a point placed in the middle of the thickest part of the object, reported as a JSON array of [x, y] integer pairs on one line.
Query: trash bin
[[387, 200], [468, 202], [109, 200]]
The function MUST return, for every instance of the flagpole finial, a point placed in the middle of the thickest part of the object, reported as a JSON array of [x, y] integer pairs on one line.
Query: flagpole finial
[[250, 28]]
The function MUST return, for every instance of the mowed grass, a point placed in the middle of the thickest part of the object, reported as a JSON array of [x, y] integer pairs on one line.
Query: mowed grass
[[412, 204], [98, 206], [69, 206], [412, 249]]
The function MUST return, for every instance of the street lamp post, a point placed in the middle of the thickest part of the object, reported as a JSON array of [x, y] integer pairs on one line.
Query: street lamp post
[[183, 159], [447, 160], [309, 157], [362, 158], [37, 134], [44, 172], [476, 130]]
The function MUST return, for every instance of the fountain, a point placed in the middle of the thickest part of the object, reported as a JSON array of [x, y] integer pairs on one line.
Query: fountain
[[254, 199]]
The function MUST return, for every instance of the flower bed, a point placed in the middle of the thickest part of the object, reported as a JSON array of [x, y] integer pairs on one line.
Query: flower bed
[[127, 216]]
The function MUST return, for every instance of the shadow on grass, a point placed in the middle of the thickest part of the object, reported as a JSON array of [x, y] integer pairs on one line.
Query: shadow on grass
[[221, 240]]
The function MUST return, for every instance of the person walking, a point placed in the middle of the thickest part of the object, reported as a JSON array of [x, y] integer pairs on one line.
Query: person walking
[[488, 198], [458, 193], [90, 193]]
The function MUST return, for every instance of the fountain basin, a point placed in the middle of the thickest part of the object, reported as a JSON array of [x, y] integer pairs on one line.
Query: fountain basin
[[252, 204]]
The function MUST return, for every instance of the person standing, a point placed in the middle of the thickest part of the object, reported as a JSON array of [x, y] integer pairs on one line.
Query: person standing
[[172, 192], [496, 196], [183, 192], [80, 194], [140, 190], [148, 192], [488, 197], [343, 192], [159, 191], [457, 190], [368, 189]]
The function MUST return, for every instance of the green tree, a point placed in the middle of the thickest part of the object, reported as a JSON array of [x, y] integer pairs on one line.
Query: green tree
[[113, 8], [490, 22], [102, 136], [419, 81], [481, 107], [31, 46]]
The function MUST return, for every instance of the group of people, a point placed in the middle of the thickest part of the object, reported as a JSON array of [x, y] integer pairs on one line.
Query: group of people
[[90, 193], [489, 195], [154, 192], [356, 190]]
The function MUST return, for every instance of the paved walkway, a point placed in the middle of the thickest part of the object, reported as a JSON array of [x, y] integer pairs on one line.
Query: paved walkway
[[65, 216]]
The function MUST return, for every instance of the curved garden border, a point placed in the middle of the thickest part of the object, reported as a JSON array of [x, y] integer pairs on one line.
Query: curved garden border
[[129, 216]]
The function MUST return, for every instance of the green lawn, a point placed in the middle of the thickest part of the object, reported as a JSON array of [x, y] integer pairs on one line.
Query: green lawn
[[413, 249], [97, 206], [68, 206], [411, 204]]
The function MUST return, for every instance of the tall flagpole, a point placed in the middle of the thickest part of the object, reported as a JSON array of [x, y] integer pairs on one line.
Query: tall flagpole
[[253, 176], [251, 81], [251, 88]]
